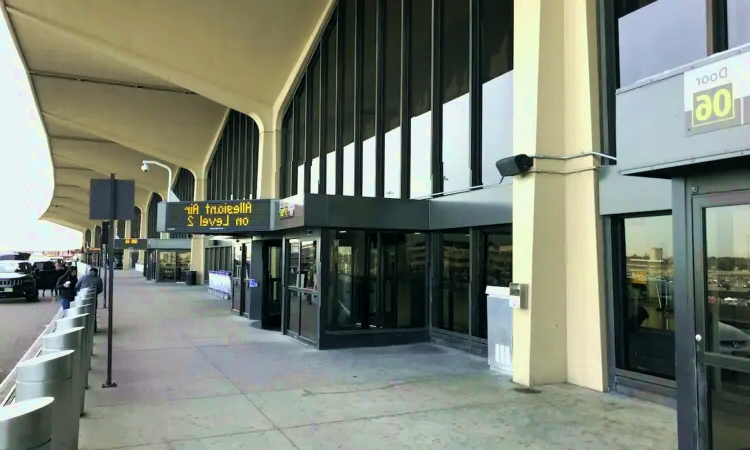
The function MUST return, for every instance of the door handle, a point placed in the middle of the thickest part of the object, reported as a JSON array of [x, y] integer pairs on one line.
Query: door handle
[[698, 338]]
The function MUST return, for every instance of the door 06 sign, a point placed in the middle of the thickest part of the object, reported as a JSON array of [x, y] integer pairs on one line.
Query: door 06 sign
[[218, 216], [717, 95]]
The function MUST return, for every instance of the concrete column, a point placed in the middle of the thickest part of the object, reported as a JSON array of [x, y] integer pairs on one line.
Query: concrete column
[[144, 231], [269, 160], [127, 255], [556, 224], [198, 243]]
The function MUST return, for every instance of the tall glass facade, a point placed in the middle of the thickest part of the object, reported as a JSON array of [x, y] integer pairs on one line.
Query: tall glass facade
[[377, 74]]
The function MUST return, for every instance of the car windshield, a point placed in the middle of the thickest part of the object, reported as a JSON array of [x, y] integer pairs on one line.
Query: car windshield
[[13, 267]]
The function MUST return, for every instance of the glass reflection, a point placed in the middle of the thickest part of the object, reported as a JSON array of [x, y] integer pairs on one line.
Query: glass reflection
[[727, 322], [355, 303], [453, 309], [648, 309]]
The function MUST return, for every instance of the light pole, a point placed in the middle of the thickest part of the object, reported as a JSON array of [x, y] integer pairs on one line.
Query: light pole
[[170, 195]]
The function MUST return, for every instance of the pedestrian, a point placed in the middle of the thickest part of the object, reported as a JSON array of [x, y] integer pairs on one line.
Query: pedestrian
[[66, 286], [91, 280], [59, 272]]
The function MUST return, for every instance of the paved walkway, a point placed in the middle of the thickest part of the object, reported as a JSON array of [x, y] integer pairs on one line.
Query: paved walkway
[[191, 375]]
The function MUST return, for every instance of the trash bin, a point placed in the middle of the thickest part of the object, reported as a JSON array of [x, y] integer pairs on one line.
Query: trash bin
[[190, 278]]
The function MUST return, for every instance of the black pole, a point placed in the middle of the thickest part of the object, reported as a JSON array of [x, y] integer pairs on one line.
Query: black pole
[[101, 268], [110, 279]]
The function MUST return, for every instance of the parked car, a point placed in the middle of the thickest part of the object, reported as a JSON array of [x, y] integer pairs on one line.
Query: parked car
[[733, 341], [17, 280]]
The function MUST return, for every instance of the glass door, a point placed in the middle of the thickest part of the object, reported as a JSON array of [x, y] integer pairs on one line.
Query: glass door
[[272, 289], [167, 266], [721, 227], [302, 285]]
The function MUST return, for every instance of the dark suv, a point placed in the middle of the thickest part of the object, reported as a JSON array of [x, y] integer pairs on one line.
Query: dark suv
[[17, 280]]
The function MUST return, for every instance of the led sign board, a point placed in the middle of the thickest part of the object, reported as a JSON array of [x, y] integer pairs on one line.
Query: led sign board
[[135, 243], [212, 217], [286, 210]]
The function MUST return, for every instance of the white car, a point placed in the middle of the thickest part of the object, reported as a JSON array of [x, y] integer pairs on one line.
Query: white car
[[733, 341]]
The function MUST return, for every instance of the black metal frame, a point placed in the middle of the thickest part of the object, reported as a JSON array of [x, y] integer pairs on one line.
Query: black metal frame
[[436, 160], [233, 170], [404, 91]]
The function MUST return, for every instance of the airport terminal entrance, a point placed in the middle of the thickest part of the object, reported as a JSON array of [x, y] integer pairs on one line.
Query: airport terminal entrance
[[303, 287], [713, 355], [271, 284]]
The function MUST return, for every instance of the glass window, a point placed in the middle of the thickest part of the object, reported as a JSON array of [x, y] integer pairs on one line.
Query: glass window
[[308, 263], [498, 270], [655, 36], [496, 47], [420, 63], [315, 125], [404, 284], [348, 261], [347, 121], [738, 16], [647, 309], [300, 110], [452, 311], [288, 150], [454, 47], [330, 115], [368, 98], [293, 275], [392, 98]]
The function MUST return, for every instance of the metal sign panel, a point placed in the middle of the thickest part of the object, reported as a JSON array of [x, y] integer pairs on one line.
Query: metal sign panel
[[100, 204], [135, 243], [717, 95], [215, 217]]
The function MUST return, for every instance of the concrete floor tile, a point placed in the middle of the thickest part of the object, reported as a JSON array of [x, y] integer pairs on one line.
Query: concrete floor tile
[[479, 427], [135, 366], [266, 440], [156, 390], [143, 423], [351, 402]]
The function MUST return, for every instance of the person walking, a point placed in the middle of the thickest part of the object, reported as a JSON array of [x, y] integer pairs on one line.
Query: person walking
[[66, 286], [91, 280]]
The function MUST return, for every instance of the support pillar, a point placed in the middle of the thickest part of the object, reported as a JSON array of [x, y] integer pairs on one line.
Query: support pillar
[[198, 242], [556, 224], [127, 255], [269, 162]]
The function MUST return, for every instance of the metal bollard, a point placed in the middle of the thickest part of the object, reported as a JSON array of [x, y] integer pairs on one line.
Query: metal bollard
[[51, 375], [69, 340], [84, 309], [80, 320], [27, 425]]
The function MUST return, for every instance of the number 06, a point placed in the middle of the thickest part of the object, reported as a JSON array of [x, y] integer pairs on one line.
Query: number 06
[[720, 105]]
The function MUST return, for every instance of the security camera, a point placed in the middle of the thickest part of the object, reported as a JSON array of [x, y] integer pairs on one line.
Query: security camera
[[514, 165], [144, 167]]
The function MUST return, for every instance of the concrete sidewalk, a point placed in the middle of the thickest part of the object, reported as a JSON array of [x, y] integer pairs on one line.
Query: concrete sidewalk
[[191, 375]]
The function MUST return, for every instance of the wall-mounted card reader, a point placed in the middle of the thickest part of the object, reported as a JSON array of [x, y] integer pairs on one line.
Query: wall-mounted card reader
[[518, 297]]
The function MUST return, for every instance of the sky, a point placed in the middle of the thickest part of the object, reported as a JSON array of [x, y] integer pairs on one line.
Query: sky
[[26, 177]]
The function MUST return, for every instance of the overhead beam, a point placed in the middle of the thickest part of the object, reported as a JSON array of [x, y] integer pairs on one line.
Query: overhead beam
[[85, 79], [81, 139]]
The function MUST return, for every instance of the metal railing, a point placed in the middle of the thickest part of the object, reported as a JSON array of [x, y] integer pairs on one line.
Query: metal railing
[[8, 386]]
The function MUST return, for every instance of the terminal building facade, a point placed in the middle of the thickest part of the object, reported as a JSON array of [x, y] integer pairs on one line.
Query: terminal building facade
[[364, 133]]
